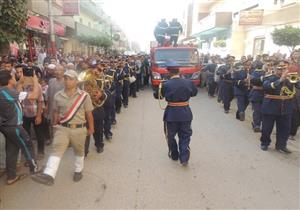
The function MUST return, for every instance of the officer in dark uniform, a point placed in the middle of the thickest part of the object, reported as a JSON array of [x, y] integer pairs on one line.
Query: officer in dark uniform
[[173, 31], [133, 85], [160, 31], [109, 105], [241, 77], [210, 69], [178, 115], [256, 97], [226, 84], [277, 107], [126, 84], [119, 86], [98, 114]]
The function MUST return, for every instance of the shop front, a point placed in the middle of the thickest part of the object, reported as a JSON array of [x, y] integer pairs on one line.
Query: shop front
[[38, 35], [214, 31]]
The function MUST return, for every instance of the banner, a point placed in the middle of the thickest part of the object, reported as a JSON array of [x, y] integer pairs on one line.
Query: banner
[[251, 17], [43, 25], [71, 7]]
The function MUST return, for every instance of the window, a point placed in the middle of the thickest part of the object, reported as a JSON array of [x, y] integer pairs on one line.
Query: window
[[259, 45], [89, 24], [277, 1]]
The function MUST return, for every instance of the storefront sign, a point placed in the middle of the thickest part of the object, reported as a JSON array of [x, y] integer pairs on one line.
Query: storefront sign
[[251, 17], [71, 7], [43, 25]]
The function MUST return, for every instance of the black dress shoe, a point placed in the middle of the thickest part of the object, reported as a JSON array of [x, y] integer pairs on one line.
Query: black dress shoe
[[108, 136], [77, 176], [185, 163], [242, 116], [113, 122], [173, 155], [256, 129], [264, 147], [100, 149], [226, 111], [284, 150]]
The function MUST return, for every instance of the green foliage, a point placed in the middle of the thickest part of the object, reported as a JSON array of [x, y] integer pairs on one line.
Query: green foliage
[[13, 19], [220, 43], [116, 37], [99, 41], [288, 36]]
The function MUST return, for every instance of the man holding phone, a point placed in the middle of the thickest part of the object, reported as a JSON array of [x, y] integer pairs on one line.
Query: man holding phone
[[32, 109]]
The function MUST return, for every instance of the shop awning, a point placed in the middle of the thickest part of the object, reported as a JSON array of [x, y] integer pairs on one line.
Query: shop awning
[[212, 32]]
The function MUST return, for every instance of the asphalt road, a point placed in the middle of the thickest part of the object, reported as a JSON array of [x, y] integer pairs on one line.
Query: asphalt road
[[227, 169]]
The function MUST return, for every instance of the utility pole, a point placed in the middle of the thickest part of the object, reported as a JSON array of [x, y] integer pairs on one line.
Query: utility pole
[[52, 33]]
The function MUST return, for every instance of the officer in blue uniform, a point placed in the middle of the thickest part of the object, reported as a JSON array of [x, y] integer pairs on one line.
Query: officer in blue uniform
[[277, 107], [109, 105], [126, 85], [174, 29], [178, 115], [160, 31], [256, 97], [119, 86], [241, 77], [210, 80], [226, 84]]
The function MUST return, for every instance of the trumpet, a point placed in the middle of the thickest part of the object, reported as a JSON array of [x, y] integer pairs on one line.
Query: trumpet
[[293, 77]]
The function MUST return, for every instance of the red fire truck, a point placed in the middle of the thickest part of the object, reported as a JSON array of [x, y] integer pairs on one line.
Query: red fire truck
[[187, 57]]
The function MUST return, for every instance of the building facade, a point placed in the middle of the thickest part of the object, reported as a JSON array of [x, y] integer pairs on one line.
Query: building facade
[[240, 27]]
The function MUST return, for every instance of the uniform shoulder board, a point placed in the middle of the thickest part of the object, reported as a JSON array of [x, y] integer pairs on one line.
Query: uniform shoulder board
[[258, 70], [268, 75]]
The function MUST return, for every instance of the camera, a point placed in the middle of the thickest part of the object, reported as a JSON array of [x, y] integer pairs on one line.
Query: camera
[[28, 72]]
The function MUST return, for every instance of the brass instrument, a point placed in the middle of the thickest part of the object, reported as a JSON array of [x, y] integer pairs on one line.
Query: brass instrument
[[293, 77], [94, 86]]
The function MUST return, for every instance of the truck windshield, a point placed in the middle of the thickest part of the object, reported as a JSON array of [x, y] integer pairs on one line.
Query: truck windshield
[[184, 57]]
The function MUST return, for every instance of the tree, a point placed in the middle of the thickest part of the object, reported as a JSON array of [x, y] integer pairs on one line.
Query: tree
[[287, 36], [13, 20], [99, 41]]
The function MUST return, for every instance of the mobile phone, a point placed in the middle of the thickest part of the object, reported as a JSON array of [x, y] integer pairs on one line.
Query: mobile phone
[[28, 72]]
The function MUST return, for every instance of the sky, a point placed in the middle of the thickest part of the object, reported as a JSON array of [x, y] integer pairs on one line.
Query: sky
[[137, 18]]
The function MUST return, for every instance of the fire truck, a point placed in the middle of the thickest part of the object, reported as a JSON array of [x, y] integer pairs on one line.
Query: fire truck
[[186, 56]]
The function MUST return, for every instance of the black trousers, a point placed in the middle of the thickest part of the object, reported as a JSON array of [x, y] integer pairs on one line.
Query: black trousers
[[256, 116], [139, 84], [283, 126], [125, 92], [39, 132], [133, 89], [174, 40], [184, 132], [108, 117], [118, 103], [146, 79], [98, 114], [16, 138], [227, 93], [212, 85], [295, 122]]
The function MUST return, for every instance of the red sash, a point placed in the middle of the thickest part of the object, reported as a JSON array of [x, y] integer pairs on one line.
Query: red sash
[[74, 108]]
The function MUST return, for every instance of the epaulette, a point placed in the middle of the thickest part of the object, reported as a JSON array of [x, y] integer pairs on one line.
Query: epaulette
[[268, 75], [258, 70]]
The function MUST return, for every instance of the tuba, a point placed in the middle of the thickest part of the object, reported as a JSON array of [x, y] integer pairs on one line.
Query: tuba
[[94, 86], [293, 77]]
